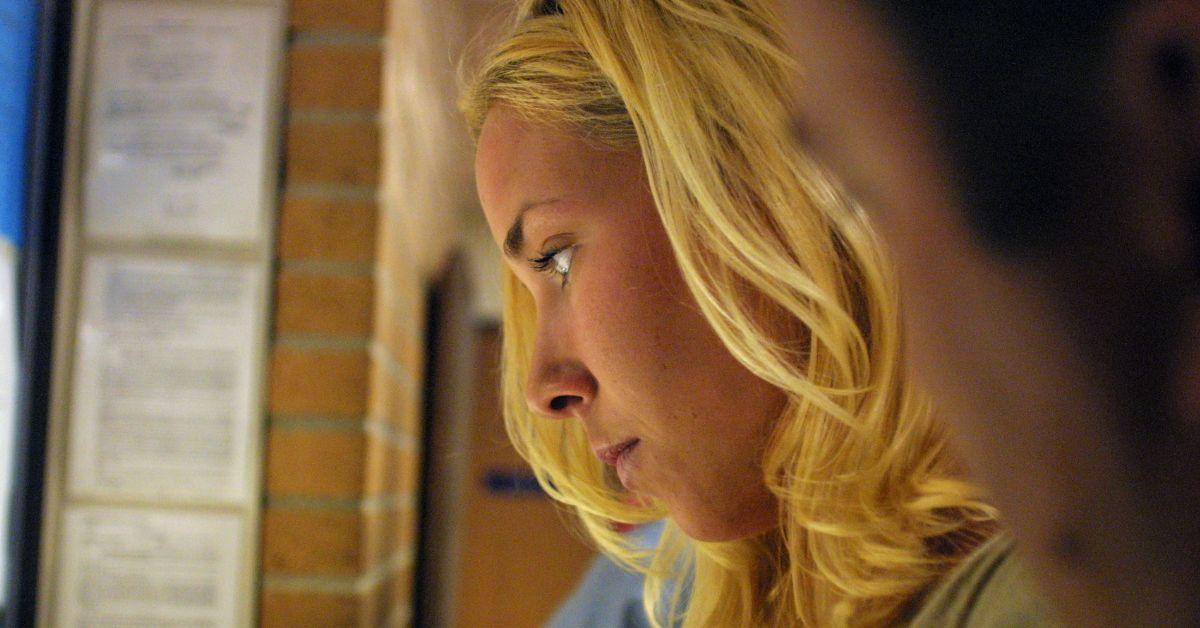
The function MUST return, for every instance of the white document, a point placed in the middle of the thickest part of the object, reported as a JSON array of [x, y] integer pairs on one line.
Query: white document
[[130, 567], [177, 118], [162, 402], [9, 371]]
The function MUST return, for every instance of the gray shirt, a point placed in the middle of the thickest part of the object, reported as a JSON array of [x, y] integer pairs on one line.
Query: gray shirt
[[990, 589]]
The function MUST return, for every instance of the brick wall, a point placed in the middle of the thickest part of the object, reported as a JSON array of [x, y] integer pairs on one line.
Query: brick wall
[[338, 509], [376, 172]]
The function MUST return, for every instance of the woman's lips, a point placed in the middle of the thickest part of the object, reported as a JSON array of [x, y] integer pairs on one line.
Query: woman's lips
[[610, 455], [619, 456]]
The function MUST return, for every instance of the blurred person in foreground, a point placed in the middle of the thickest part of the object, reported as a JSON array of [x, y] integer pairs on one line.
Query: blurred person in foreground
[[1034, 166], [699, 326]]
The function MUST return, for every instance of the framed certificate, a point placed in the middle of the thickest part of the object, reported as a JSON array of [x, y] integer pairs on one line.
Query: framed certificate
[[138, 567], [176, 118], [163, 401]]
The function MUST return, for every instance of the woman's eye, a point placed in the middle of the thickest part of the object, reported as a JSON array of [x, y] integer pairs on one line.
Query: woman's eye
[[555, 262], [562, 261]]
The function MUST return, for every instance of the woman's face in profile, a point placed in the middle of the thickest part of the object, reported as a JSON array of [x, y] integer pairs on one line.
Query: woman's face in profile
[[621, 345]]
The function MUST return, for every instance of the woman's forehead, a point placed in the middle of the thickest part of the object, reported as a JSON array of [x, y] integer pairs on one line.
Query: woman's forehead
[[521, 163]]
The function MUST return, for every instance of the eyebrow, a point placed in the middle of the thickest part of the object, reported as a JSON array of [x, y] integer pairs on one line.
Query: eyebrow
[[514, 240]]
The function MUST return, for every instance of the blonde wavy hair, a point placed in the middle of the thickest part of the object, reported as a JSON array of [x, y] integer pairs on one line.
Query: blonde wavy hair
[[793, 280]]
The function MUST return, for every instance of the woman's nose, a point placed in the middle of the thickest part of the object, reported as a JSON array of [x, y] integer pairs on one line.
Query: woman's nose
[[559, 389]]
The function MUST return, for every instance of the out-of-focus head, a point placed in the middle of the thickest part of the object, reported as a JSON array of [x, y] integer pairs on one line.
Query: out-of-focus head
[[1039, 157], [711, 298], [1035, 168]]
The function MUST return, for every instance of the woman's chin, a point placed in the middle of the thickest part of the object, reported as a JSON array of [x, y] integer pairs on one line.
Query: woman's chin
[[717, 528]]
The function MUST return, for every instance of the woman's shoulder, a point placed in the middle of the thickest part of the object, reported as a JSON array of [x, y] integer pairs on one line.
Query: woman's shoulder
[[991, 588]]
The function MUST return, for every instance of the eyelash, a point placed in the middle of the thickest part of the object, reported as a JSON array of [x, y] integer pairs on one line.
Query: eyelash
[[546, 263]]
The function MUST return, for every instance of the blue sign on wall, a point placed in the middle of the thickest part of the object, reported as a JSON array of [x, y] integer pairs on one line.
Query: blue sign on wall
[[18, 22], [512, 483]]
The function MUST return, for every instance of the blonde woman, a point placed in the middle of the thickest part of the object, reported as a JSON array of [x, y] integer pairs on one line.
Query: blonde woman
[[699, 327]]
